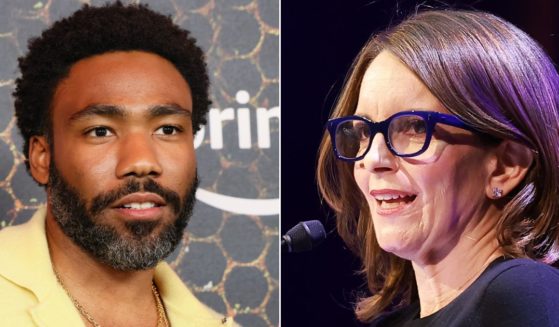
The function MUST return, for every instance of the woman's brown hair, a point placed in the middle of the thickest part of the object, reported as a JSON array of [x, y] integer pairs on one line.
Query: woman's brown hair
[[495, 78]]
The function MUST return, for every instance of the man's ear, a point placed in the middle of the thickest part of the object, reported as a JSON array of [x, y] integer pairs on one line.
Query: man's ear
[[39, 158], [510, 167]]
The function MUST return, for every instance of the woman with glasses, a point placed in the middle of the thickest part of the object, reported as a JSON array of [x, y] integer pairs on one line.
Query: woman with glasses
[[441, 161]]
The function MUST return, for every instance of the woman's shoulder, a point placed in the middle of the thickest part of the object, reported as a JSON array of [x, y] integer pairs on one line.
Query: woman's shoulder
[[521, 292], [510, 292], [521, 272], [520, 280]]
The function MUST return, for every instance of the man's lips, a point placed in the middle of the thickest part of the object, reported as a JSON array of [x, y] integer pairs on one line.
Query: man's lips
[[140, 206], [131, 201]]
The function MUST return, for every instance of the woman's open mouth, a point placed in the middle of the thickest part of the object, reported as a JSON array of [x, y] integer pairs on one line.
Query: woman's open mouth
[[391, 201]]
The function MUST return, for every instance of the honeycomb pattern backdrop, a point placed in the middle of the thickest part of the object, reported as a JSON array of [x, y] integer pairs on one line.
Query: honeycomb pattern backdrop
[[229, 255]]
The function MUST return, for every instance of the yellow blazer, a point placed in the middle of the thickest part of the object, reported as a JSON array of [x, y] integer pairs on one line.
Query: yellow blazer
[[31, 296]]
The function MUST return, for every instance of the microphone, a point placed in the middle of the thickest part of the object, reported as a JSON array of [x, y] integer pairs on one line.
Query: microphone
[[304, 236]]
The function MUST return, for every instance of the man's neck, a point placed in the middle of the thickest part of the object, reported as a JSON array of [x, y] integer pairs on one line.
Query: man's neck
[[107, 294], [439, 283]]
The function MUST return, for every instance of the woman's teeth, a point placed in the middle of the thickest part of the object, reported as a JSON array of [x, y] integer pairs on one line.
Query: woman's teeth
[[389, 201]]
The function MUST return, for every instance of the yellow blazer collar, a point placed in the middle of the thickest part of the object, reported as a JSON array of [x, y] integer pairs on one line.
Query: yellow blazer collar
[[27, 263]]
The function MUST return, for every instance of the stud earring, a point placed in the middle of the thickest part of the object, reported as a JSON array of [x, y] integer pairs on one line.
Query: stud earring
[[497, 192]]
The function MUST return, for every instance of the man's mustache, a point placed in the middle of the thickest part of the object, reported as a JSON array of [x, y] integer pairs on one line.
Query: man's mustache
[[133, 185]]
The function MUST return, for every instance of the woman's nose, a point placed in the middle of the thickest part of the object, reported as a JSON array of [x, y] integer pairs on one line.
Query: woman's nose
[[379, 158]]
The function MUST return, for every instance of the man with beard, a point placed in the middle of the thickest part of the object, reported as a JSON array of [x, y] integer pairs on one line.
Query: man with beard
[[108, 102]]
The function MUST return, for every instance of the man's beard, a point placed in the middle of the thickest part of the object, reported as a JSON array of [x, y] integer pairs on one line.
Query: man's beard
[[138, 248]]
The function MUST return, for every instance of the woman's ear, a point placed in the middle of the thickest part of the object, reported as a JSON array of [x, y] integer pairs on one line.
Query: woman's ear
[[39, 159], [510, 167]]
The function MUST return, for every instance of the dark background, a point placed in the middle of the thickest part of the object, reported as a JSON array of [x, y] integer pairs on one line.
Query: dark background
[[318, 43]]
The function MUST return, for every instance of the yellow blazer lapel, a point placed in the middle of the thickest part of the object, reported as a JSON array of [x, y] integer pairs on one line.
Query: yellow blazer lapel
[[26, 263], [56, 310]]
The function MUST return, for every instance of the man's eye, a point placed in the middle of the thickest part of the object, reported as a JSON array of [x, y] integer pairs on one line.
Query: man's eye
[[99, 132], [167, 130]]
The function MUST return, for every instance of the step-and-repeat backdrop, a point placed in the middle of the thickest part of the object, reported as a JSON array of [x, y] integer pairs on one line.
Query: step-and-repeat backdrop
[[229, 255]]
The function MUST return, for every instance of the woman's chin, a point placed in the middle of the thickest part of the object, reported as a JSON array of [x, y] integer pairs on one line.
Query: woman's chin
[[398, 244]]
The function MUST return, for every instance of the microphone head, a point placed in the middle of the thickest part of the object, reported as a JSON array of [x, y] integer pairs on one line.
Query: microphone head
[[305, 236]]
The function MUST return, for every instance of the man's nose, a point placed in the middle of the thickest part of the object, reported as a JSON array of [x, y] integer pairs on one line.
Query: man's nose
[[138, 157]]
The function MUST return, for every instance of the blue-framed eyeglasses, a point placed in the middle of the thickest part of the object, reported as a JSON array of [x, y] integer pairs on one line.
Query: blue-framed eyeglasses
[[407, 133]]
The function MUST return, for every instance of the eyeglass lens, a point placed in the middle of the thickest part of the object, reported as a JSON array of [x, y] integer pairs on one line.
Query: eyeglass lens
[[407, 135]]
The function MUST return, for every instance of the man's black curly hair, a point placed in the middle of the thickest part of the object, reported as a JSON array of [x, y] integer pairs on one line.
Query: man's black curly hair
[[96, 30]]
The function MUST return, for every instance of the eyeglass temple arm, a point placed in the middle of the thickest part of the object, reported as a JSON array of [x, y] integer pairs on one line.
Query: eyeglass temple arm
[[452, 121]]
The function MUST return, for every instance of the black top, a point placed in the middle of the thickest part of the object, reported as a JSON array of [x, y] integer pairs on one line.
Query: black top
[[515, 292]]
